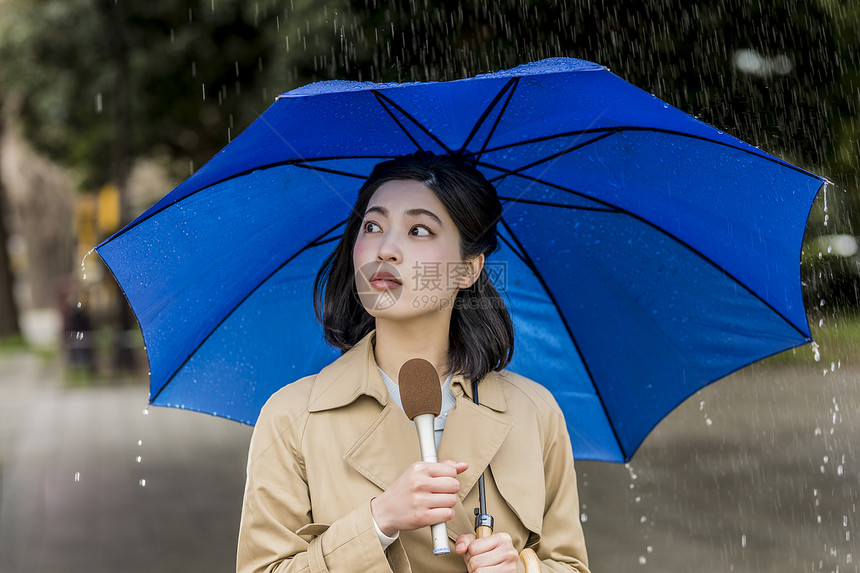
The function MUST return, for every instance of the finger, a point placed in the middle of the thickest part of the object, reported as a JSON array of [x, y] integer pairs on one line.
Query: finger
[[498, 559], [463, 542], [447, 485], [443, 469], [432, 516], [438, 501], [490, 550], [459, 467]]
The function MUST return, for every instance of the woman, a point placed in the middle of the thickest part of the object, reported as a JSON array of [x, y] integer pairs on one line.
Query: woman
[[333, 484]]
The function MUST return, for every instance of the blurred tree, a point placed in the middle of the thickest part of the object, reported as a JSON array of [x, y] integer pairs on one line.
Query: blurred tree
[[107, 82], [781, 74], [8, 309]]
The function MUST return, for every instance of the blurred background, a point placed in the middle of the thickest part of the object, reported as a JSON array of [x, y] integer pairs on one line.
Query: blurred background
[[108, 104]]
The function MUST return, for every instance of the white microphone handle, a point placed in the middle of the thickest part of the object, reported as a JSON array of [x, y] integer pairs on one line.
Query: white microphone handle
[[427, 442]]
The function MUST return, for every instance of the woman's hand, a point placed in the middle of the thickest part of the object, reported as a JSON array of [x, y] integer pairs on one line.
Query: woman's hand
[[423, 495], [493, 553]]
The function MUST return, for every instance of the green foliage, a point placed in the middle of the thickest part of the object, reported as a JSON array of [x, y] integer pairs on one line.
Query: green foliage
[[799, 103], [198, 73]]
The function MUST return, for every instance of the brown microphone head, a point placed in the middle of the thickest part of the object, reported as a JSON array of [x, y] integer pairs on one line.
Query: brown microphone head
[[420, 390]]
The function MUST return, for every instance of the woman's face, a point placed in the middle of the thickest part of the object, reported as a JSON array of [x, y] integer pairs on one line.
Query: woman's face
[[407, 256]]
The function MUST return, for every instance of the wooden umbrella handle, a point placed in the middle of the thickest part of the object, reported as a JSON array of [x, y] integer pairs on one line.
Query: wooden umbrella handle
[[529, 558]]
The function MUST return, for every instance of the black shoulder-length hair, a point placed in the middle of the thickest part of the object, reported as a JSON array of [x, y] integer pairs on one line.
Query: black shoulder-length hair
[[481, 335]]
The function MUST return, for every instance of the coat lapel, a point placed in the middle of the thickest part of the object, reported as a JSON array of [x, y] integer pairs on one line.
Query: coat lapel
[[386, 448], [388, 443], [486, 430]]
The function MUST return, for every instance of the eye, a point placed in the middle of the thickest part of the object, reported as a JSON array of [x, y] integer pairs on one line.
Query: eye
[[420, 231], [371, 227]]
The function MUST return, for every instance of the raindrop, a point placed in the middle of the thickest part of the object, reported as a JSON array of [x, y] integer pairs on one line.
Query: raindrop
[[642, 560], [143, 484], [583, 517], [84, 261], [99, 102], [146, 411], [204, 91], [138, 459], [744, 541], [839, 470], [643, 519], [77, 476], [140, 442]]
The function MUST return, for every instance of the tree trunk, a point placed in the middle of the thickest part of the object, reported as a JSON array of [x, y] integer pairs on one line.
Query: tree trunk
[[9, 325], [113, 23]]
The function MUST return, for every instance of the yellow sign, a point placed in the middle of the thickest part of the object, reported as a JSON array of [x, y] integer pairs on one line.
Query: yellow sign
[[108, 209]]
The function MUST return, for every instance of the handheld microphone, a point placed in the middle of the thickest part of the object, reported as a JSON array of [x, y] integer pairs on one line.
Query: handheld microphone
[[421, 395]]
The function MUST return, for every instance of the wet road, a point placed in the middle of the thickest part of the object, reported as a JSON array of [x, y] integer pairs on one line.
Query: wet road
[[758, 472]]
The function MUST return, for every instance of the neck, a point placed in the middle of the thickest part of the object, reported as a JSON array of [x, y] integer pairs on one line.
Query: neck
[[397, 342]]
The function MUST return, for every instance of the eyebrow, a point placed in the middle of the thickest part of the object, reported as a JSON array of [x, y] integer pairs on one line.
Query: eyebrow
[[411, 212]]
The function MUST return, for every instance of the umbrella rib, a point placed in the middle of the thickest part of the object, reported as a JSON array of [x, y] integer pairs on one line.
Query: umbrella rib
[[528, 261], [621, 211], [555, 155], [508, 88], [558, 205], [507, 172], [330, 170], [621, 128], [385, 102], [514, 249], [318, 240], [294, 162]]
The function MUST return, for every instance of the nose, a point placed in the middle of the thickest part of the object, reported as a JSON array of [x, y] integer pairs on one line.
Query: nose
[[389, 249]]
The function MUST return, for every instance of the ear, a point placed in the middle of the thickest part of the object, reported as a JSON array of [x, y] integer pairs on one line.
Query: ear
[[471, 271]]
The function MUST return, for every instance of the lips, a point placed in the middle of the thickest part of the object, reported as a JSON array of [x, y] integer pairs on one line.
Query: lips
[[385, 280]]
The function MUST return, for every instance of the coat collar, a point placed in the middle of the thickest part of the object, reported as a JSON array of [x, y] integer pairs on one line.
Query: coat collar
[[389, 443], [355, 374], [352, 375]]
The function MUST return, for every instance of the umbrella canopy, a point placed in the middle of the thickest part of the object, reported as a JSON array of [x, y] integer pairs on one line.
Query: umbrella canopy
[[644, 253]]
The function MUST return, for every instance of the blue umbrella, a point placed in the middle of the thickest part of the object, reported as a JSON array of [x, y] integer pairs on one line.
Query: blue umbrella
[[644, 253]]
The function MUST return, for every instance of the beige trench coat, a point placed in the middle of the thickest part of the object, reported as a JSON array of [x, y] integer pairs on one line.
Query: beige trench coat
[[325, 445]]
